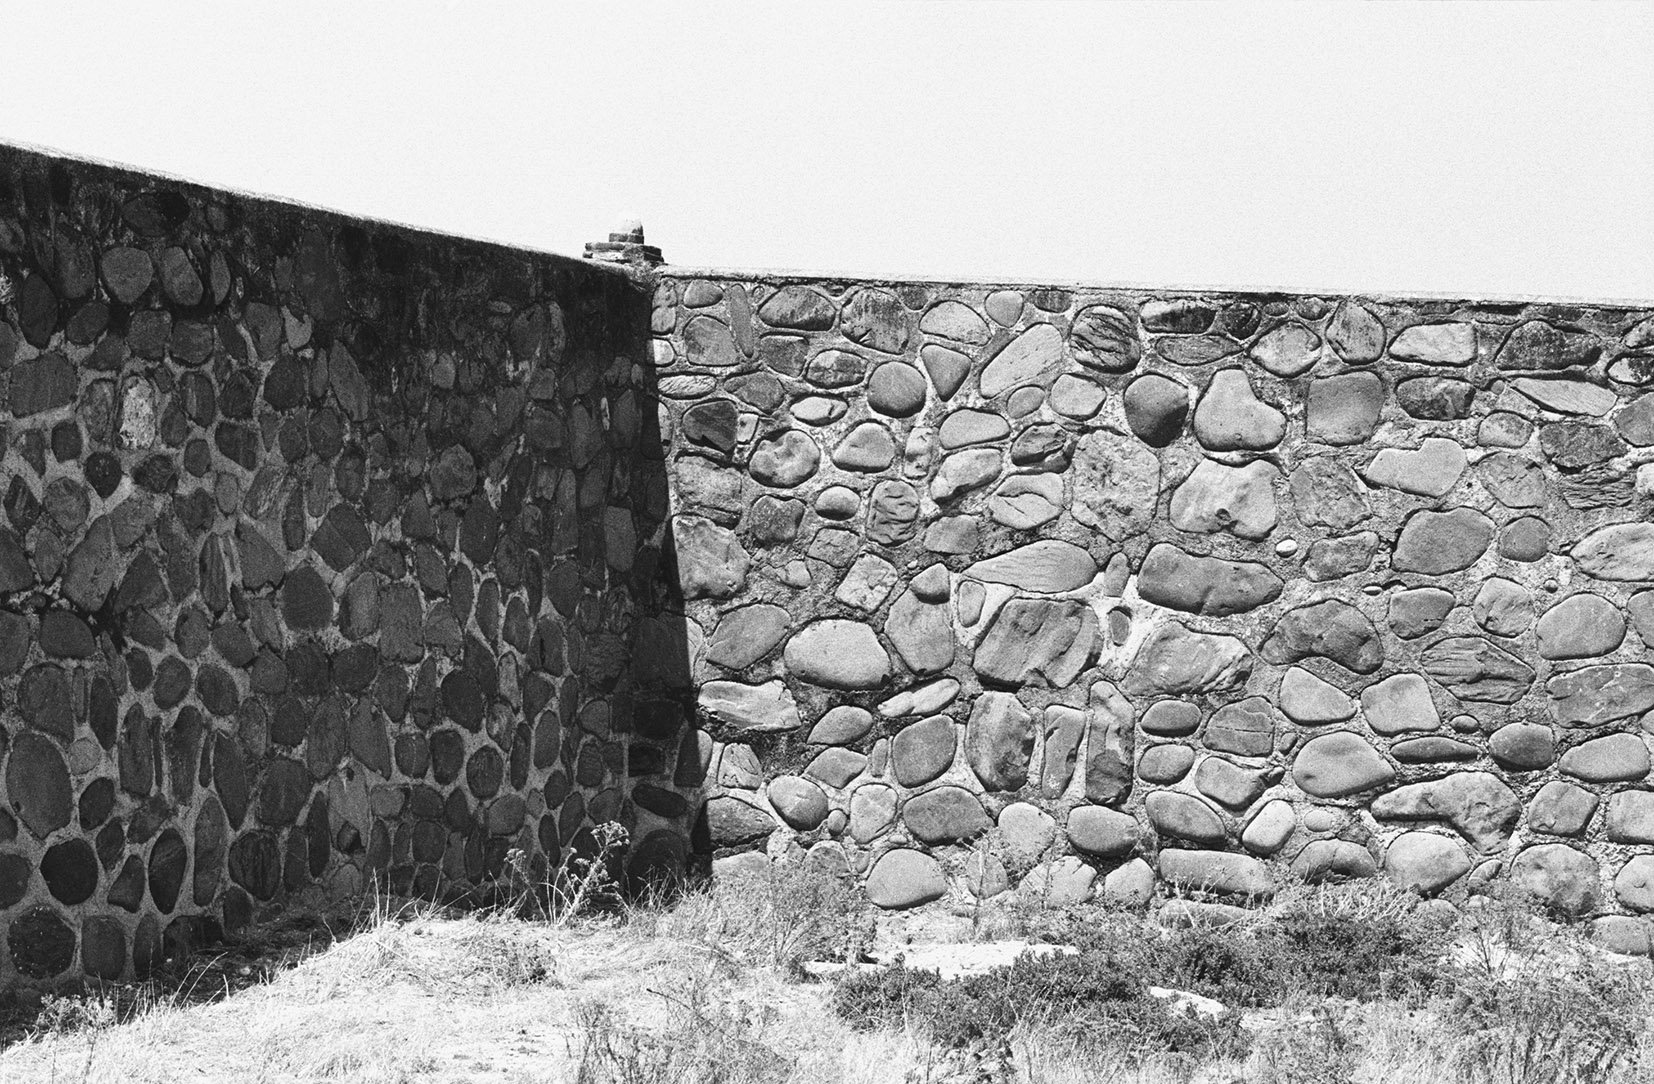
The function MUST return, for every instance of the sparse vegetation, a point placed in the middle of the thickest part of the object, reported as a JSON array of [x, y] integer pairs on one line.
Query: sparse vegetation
[[559, 981]]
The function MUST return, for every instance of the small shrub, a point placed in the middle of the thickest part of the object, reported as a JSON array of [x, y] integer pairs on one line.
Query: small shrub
[[782, 915], [1086, 999]]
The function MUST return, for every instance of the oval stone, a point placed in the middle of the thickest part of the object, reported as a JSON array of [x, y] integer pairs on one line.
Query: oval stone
[[1340, 764]]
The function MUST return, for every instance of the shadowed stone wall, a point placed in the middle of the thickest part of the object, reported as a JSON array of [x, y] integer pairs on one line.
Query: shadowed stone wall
[[1088, 592], [326, 552]]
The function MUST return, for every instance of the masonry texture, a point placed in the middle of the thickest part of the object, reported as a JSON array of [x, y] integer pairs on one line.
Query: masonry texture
[[336, 556], [326, 551], [1087, 592]]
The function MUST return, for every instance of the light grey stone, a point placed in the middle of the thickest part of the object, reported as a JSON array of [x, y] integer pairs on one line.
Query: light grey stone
[[1398, 704], [1568, 396], [1338, 765], [999, 739], [905, 878], [1310, 701], [1472, 668], [1106, 833], [1269, 828], [1593, 695], [954, 320], [1116, 484], [1343, 409], [1561, 809], [963, 428], [1581, 626], [1025, 501], [1477, 804], [1449, 343], [1215, 497], [964, 471], [1612, 758], [1328, 860], [1049, 566], [1174, 661], [1523, 746], [1245, 728], [1425, 862], [747, 634], [1430, 470], [1419, 610], [1330, 629], [1559, 877], [838, 654], [1621, 551], [749, 707], [1231, 417], [1033, 356], [1037, 640], [868, 583], [1287, 350], [1436, 543], [1220, 872], [1503, 607], [1184, 817], [1326, 493]]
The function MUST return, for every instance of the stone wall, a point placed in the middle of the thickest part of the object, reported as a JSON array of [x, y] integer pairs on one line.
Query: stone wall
[[326, 551], [1087, 592]]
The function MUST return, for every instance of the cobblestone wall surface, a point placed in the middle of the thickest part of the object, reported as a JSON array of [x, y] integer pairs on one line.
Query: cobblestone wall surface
[[325, 553], [1084, 592]]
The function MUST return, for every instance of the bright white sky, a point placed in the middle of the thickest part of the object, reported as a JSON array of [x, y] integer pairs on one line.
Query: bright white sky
[[1488, 148]]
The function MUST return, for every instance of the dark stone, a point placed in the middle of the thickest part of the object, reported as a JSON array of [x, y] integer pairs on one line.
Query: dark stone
[[103, 472], [1575, 445], [307, 602], [70, 870], [447, 747], [1435, 398], [37, 784], [64, 635], [41, 384], [282, 792], [168, 859], [97, 801], [42, 943], [126, 891], [255, 864]]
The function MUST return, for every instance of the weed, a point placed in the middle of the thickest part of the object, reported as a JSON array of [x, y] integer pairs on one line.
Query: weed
[[1083, 998], [780, 916]]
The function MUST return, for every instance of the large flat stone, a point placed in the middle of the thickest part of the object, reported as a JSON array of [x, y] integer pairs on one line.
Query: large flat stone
[[1477, 804], [1209, 586], [905, 878], [838, 654], [1048, 566], [1581, 626], [1593, 695], [1472, 668], [1429, 470], [1621, 551], [1217, 871], [1343, 409], [1036, 640], [749, 707], [1398, 704], [1310, 701], [1329, 629], [1034, 356], [1436, 543], [1116, 484], [999, 739], [1174, 661]]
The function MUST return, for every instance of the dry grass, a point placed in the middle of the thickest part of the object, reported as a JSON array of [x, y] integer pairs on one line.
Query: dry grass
[[705, 991]]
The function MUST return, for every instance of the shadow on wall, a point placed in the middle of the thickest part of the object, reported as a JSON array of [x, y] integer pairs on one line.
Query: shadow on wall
[[332, 556]]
